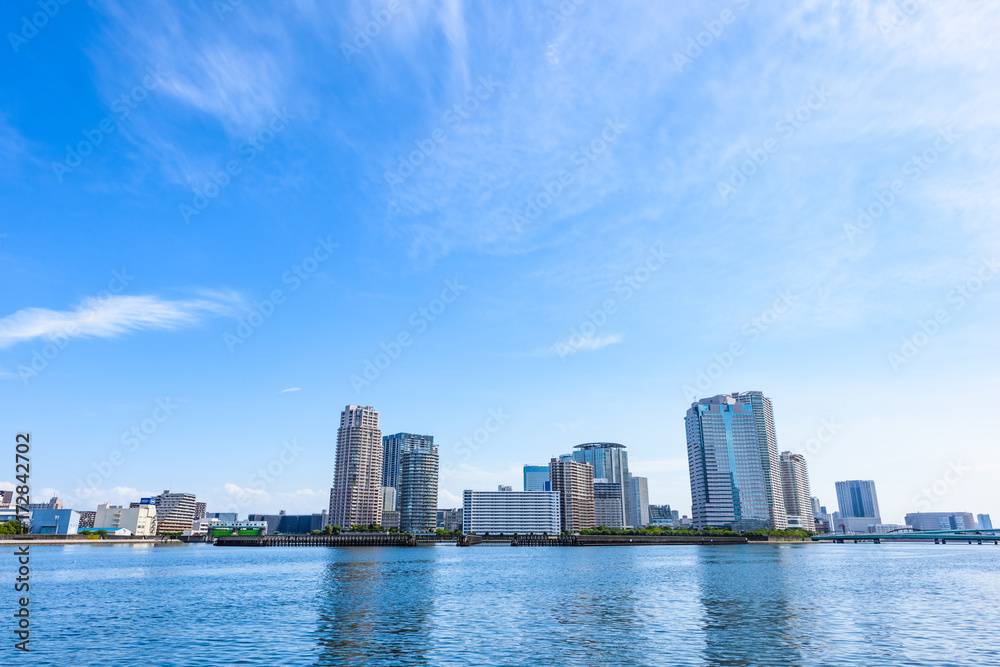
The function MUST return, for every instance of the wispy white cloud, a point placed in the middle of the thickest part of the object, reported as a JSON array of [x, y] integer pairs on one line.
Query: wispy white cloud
[[450, 498], [562, 76], [283, 391], [453, 24], [209, 65], [574, 344], [110, 316], [12, 145]]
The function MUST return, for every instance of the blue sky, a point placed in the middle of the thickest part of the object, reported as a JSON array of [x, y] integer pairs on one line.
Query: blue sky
[[568, 217]]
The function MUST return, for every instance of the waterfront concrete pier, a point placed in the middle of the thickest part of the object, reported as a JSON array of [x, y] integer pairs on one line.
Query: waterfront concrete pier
[[350, 540]]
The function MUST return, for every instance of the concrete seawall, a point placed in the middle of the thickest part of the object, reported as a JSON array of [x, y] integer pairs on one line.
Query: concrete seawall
[[390, 540]]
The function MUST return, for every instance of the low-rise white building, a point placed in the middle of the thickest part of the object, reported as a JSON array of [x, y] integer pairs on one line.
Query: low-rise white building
[[139, 520], [111, 530], [510, 512], [216, 528]]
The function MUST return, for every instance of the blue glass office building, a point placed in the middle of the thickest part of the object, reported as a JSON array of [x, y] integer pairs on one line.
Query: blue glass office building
[[733, 463], [610, 463], [536, 478], [856, 498], [393, 448]]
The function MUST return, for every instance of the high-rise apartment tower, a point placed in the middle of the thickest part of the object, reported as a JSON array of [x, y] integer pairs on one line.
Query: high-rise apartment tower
[[356, 496], [575, 483]]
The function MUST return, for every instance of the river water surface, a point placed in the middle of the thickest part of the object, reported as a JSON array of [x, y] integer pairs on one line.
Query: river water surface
[[758, 604]]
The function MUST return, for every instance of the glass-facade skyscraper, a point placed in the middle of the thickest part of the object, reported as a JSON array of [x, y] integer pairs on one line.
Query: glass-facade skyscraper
[[640, 500], [610, 463], [536, 478], [418, 489], [733, 463], [393, 448], [767, 443], [856, 498]]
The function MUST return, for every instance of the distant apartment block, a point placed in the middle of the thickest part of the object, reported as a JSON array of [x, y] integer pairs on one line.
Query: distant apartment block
[[139, 520], [86, 519], [390, 519], [536, 478], [53, 504], [608, 504], [510, 512], [822, 519], [174, 512], [200, 510], [639, 489], [356, 495], [940, 521], [450, 519], [574, 481], [795, 490], [8, 512], [661, 515]]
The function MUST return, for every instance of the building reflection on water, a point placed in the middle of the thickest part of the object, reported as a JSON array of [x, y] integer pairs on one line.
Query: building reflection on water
[[374, 610], [755, 606], [683, 606], [597, 619]]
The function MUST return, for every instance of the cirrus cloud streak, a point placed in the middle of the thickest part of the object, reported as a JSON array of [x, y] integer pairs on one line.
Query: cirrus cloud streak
[[112, 316]]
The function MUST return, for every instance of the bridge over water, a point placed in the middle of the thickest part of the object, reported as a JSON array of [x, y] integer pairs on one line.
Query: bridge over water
[[985, 536]]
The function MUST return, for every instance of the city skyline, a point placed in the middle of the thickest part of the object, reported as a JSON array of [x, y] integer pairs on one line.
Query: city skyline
[[791, 468]]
